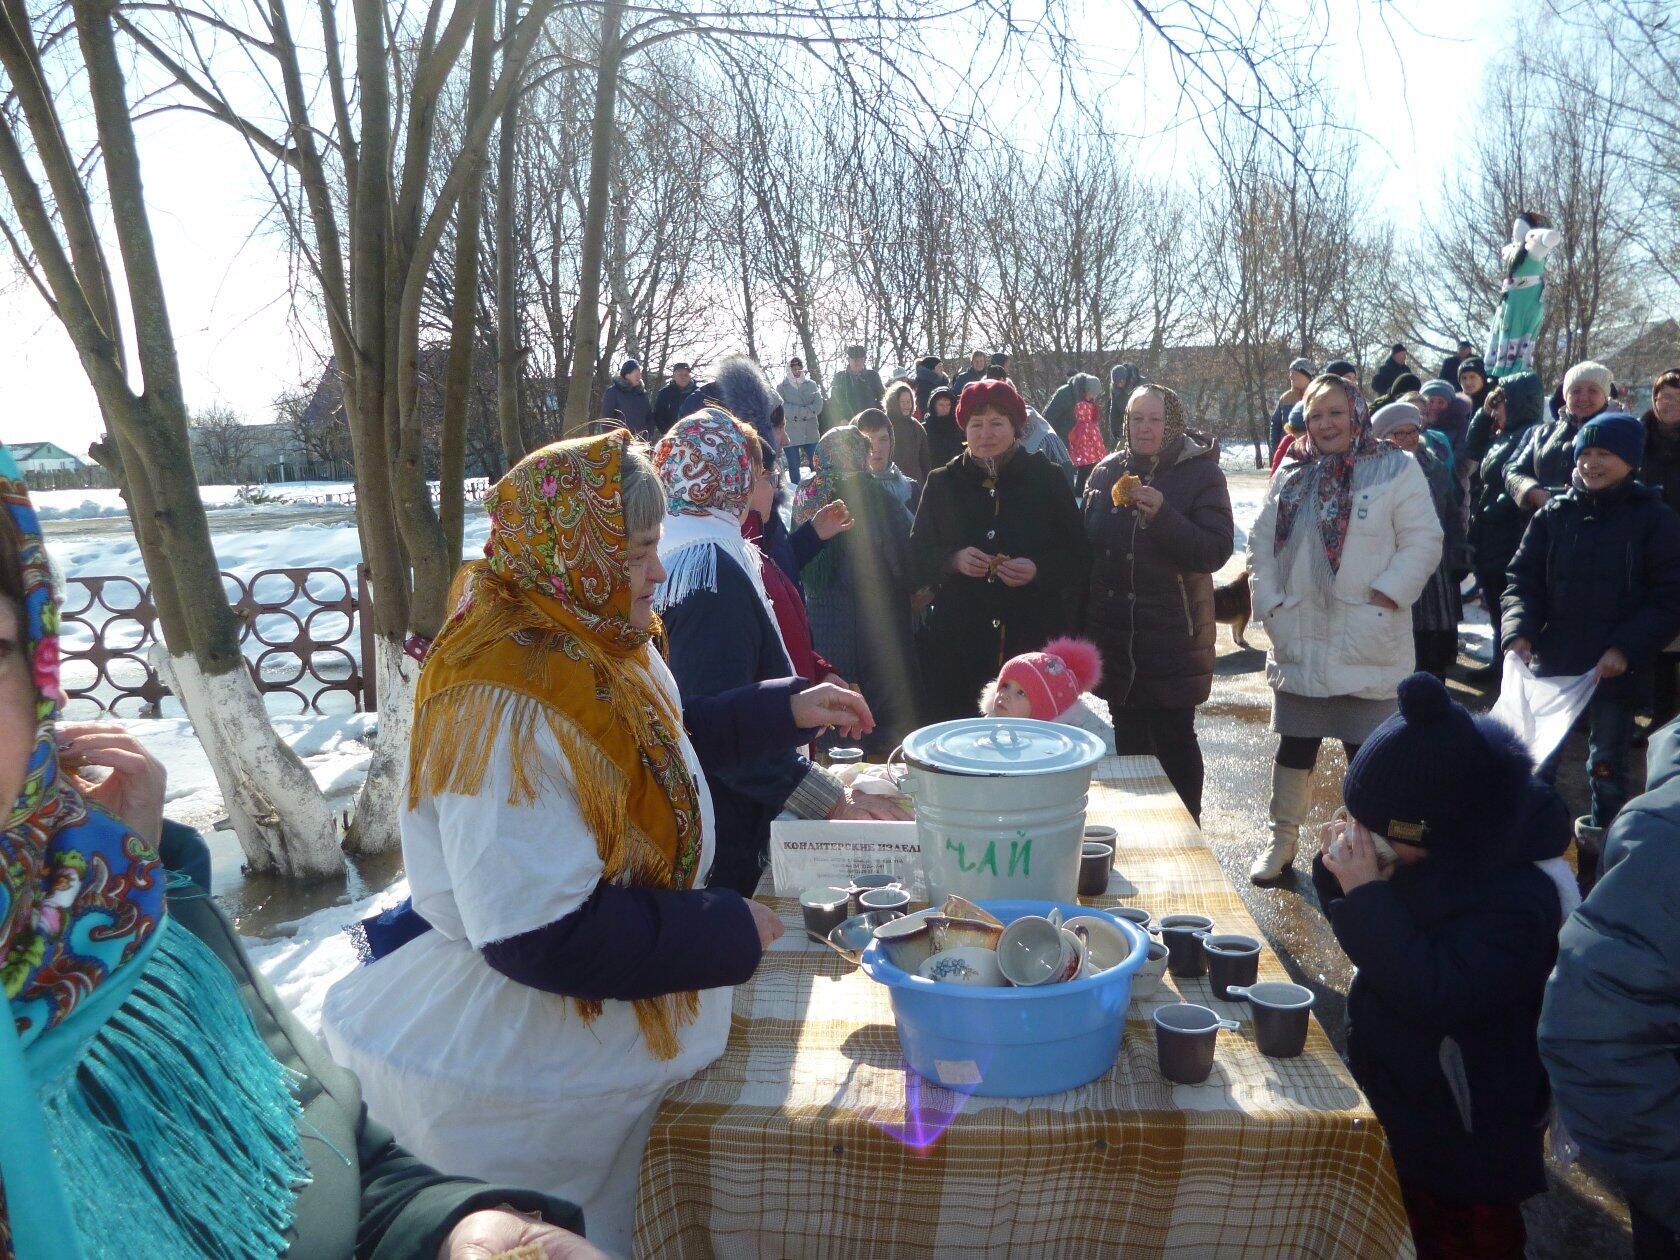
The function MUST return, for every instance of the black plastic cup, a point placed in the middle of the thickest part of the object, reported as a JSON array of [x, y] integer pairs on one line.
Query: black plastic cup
[[1184, 1041], [1182, 935], [1281, 1014], [824, 909], [863, 883], [1134, 914], [1096, 859], [1231, 959]]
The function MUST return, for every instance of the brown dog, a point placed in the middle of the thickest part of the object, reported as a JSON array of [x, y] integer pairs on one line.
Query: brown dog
[[1232, 606]]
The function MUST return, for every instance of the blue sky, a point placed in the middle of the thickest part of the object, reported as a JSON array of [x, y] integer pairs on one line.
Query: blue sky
[[1411, 87]]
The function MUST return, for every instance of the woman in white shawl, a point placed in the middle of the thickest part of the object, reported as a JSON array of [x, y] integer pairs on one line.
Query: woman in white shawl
[[723, 635]]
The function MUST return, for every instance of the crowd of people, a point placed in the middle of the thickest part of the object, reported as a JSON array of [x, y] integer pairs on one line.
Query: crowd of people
[[676, 616]]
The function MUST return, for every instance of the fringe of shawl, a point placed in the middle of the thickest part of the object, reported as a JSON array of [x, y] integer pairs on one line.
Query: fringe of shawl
[[452, 742], [177, 1130]]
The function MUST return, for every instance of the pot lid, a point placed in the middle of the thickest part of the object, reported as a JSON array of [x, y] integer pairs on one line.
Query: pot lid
[[987, 746]]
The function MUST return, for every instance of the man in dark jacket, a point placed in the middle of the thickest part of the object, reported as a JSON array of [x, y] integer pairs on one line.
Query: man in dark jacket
[[1453, 940], [1595, 585], [854, 388], [975, 371], [1123, 378], [1382, 381], [1610, 1027], [667, 403], [1546, 462], [928, 378], [627, 400], [1450, 364], [1496, 523]]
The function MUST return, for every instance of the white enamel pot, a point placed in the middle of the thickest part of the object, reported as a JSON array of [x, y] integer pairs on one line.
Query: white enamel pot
[[1000, 806]]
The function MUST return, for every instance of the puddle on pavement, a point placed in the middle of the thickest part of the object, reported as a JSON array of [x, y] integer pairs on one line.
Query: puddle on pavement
[[260, 904]]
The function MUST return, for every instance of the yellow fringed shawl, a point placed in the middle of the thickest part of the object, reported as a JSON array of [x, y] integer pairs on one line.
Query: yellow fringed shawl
[[541, 640]]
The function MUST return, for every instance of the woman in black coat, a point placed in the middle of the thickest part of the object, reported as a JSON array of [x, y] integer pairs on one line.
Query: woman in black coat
[[1149, 605], [997, 536]]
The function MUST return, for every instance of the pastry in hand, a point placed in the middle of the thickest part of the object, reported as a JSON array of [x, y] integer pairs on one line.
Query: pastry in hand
[[1124, 489], [993, 563]]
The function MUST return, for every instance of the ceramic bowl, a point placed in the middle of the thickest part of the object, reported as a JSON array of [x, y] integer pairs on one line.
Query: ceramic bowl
[[1106, 945], [907, 941], [853, 935], [971, 965]]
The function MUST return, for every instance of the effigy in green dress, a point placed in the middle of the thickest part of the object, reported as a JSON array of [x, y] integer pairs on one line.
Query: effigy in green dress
[[1516, 320]]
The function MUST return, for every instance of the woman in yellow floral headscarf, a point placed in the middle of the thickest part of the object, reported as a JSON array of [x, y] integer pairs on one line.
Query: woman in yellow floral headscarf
[[557, 836]]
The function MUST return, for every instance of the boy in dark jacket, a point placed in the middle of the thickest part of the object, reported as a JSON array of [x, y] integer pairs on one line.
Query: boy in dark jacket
[[1595, 585], [1610, 1028], [1453, 938]]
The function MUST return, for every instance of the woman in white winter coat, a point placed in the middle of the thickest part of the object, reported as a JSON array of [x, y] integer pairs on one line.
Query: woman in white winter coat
[[1342, 549]]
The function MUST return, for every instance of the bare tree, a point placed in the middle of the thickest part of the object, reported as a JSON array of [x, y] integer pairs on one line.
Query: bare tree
[[320, 432], [281, 818], [351, 169], [225, 442]]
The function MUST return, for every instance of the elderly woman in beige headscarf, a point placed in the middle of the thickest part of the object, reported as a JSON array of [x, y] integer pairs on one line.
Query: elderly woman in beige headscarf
[[1157, 520]]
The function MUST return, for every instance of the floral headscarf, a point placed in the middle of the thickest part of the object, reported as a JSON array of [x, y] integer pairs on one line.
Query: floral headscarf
[[841, 455], [557, 533], [1324, 484], [706, 465], [63, 863], [541, 642]]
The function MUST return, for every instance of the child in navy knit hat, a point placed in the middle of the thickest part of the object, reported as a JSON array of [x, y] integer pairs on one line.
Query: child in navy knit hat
[[1595, 586], [1454, 935]]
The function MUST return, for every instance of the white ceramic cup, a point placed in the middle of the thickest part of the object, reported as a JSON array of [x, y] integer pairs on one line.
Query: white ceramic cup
[[1146, 980], [1033, 950]]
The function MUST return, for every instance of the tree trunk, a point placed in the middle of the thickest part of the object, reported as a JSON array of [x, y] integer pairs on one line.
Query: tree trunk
[[509, 359], [586, 335], [463, 314]]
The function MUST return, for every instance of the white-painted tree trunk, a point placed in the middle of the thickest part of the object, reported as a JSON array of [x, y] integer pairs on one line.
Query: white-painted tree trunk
[[379, 803], [277, 810]]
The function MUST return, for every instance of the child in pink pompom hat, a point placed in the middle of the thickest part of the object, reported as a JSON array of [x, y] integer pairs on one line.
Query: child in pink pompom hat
[[1049, 686]]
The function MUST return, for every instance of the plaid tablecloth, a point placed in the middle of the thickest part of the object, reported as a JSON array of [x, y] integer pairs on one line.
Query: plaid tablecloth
[[808, 1138]]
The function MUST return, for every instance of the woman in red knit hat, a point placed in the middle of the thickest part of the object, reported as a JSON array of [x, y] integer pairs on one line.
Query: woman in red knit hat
[[998, 539]]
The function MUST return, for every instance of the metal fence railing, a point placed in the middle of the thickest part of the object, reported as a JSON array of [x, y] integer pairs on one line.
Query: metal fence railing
[[306, 633]]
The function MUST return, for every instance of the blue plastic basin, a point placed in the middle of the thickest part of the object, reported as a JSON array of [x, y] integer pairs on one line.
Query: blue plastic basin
[[1012, 1043]]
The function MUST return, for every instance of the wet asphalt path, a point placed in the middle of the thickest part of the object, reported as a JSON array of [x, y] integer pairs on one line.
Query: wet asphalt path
[[1578, 1217]]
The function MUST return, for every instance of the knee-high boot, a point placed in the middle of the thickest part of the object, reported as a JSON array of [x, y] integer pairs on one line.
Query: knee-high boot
[[1291, 799]]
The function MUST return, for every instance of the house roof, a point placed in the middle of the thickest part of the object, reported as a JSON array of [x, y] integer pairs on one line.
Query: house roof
[[24, 452]]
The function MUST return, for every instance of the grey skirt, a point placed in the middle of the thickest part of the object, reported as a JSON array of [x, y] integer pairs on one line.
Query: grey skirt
[[1346, 718]]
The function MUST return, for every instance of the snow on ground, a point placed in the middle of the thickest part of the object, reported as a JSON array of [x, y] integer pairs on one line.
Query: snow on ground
[[305, 958], [65, 505]]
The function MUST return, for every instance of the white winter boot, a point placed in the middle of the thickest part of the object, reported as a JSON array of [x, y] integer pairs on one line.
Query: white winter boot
[[1291, 799]]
